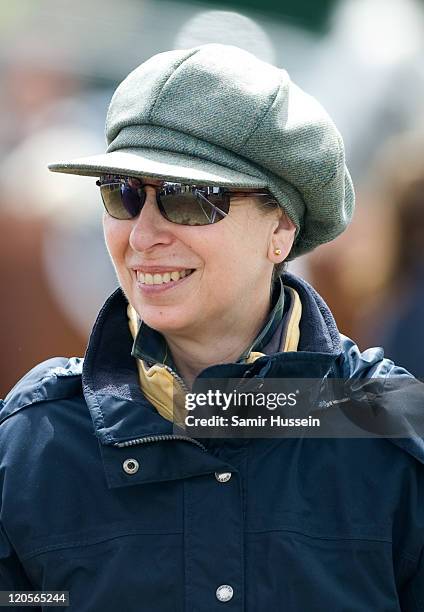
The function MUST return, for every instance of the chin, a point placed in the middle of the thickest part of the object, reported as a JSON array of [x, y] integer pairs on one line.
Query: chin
[[164, 319]]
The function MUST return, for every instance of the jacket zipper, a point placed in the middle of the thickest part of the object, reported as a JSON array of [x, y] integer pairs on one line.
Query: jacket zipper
[[157, 439], [178, 378]]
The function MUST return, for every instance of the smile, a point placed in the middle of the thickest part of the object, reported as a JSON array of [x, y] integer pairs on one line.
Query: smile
[[160, 279]]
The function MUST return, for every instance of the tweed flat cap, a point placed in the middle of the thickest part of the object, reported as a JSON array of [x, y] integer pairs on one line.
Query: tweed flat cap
[[216, 114]]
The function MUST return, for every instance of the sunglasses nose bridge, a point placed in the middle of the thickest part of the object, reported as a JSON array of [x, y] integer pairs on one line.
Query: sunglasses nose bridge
[[149, 228]]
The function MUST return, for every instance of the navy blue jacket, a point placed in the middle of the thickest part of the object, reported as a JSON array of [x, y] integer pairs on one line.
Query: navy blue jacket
[[302, 525]]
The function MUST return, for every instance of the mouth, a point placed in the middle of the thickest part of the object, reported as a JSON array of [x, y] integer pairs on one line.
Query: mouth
[[166, 278]]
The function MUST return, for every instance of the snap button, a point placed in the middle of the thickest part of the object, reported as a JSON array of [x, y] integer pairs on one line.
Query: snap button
[[130, 466], [223, 476], [224, 592]]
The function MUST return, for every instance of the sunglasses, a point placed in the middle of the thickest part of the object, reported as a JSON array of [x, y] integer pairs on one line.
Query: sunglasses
[[124, 198]]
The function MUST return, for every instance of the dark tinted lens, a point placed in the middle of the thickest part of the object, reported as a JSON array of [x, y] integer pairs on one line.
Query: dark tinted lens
[[133, 199], [193, 207], [121, 200]]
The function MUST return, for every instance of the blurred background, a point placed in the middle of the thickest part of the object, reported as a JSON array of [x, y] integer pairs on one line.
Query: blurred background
[[60, 61]]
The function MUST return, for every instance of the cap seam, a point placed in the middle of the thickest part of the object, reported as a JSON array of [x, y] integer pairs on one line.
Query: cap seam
[[263, 115], [312, 187], [321, 184], [149, 116], [339, 155]]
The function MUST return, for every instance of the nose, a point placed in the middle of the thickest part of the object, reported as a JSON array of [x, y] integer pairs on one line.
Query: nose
[[150, 229]]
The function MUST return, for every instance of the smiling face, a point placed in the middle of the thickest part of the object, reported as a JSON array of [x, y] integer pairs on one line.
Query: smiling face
[[211, 275]]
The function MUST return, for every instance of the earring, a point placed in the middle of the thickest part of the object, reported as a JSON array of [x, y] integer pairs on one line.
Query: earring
[[277, 252]]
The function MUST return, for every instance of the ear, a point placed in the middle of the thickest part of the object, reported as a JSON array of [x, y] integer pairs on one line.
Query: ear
[[282, 238]]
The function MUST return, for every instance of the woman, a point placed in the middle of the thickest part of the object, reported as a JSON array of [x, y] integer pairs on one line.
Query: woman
[[218, 170]]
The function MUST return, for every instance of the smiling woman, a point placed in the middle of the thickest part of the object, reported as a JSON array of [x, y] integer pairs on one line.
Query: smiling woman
[[218, 170], [171, 271]]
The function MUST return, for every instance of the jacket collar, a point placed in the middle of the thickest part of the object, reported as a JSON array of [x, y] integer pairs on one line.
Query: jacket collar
[[318, 329]]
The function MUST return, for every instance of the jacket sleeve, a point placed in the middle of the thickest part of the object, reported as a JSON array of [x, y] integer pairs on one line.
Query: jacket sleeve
[[12, 574], [412, 594]]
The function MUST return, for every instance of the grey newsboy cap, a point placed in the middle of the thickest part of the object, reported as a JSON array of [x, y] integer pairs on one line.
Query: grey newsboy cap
[[216, 114]]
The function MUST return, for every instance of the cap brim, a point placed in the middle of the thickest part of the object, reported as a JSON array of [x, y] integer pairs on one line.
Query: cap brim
[[159, 164]]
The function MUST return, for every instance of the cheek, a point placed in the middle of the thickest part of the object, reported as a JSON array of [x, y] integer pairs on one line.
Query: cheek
[[116, 235], [228, 259], [246, 247]]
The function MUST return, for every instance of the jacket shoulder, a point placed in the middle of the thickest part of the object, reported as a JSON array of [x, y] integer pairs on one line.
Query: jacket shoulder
[[397, 394], [55, 378], [370, 363]]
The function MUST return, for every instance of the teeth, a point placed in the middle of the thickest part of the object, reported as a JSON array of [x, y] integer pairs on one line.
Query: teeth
[[158, 279]]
